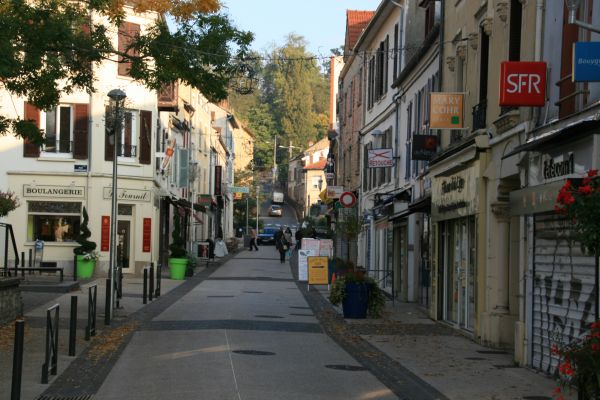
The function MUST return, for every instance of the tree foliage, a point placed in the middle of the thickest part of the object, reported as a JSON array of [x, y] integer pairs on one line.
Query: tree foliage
[[291, 102], [49, 47]]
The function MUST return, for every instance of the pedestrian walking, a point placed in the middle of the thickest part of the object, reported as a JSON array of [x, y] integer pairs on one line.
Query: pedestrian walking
[[287, 234], [281, 244], [298, 239], [253, 237]]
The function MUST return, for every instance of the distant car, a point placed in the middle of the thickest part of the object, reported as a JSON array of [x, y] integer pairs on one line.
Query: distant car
[[266, 236], [275, 211]]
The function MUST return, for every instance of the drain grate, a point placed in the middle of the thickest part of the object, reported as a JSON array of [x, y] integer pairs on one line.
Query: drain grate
[[491, 352], [81, 397], [475, 358], [254, 352], [268, 316], [344, 367]]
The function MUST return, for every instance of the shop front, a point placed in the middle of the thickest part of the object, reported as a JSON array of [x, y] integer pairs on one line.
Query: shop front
[[563, 292], [455, 226]]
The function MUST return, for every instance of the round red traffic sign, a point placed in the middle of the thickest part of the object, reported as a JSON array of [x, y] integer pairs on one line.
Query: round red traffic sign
[[347, 199]]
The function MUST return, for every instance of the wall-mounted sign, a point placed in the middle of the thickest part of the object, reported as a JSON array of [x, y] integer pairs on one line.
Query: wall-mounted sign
[[334, 192], [380, 158], [446, 110], [105, 234], [238, 189], [455, 195], [205, 200], [329, 175], [68, 192], [424, 147], [80, 168], [522, 83], [586, 62], [128, 194], [147, 235]]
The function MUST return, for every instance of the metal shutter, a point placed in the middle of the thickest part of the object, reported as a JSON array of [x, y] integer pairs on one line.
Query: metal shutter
[[564, 289]]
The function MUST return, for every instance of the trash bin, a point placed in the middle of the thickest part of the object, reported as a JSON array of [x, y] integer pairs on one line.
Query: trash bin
[[356, 301]]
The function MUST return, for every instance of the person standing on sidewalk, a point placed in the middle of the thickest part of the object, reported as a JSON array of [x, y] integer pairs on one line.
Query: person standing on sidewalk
[[253, 237]]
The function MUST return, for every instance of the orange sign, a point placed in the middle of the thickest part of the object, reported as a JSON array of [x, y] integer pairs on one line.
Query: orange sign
[[446, 110], [105, 234]]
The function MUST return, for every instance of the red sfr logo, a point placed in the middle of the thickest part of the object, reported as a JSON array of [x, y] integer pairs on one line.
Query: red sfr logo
[[522, 83]]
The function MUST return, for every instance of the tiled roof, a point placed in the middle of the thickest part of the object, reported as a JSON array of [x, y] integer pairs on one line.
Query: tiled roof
[[356, 22], [318, 165]]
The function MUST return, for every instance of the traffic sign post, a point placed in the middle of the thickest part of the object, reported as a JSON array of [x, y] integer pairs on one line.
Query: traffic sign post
[[347, 199]]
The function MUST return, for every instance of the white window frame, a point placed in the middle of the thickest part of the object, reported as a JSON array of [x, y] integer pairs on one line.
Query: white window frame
[[135, 127], [43, 119]]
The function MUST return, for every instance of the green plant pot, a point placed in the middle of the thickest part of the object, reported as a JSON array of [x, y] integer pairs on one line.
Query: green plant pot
[[177, 267], [85, 268]]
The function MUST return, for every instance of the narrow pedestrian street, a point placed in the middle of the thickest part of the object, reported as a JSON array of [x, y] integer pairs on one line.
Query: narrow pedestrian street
[[247, 329]]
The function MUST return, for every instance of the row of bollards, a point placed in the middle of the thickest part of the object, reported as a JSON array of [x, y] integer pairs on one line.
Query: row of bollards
[[149, 290], [50, 365]]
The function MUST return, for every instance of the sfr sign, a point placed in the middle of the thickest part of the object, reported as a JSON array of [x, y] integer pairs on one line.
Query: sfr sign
[[522, 83]]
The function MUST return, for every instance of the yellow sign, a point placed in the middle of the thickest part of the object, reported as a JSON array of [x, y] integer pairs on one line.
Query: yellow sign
[[318, 271], [237, 196], [446, 110]]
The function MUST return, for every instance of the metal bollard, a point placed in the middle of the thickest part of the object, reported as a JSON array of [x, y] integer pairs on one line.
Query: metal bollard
[[17, 372], [50, 366], [107, 304], [151, 286], [145, 293], [158, 279], [73, 326], [75, 268], [23, 264], [30, 263]]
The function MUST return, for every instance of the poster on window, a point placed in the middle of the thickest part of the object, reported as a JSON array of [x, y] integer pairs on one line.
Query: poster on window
[[326, 247]]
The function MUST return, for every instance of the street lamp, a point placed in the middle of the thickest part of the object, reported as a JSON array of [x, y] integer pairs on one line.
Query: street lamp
[[117, 96], [572, 6]]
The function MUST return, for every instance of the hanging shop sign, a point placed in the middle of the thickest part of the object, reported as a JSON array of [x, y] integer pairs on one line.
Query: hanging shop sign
[[238, 196], [205, 200], [147, 235], [586, 62], [128, 194], [238, 189], [424, 147], [105, 233], [169, 151], [67, 192], [380, 158], [334, 192], [446, 110], [455, 195], [522, 83]]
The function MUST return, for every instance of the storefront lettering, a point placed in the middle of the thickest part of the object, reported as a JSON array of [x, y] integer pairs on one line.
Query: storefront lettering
[[453, 206], [128, 194], [56, 191], [457, 183], [554, 169]]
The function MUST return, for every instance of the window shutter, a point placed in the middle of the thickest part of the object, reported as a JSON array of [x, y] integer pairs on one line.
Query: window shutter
[[108, 147], [81, 132], [145, 141], [127, 31], [31, 113]]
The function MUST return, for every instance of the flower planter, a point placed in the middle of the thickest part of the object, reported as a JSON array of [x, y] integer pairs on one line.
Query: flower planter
[[356, 301], [177, 267], [85, 268]]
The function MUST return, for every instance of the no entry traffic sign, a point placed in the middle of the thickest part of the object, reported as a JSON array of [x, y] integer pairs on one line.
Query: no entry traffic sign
[[347, 199]]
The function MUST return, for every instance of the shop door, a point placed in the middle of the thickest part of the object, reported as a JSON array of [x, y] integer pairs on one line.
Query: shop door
[[459, 271], [123, 244]]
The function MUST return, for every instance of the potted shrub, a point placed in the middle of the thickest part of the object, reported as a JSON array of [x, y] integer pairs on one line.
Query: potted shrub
[[178, 260], [8, 202], [359, 295], [86, 254]]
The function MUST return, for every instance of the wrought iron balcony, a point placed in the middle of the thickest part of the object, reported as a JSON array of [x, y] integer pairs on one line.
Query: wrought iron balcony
[[479, 115], [127, 150]]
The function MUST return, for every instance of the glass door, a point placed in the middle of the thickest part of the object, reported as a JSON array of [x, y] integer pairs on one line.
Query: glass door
[[123, 243]]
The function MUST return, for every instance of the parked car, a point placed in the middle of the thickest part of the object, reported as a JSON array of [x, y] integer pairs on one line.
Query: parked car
[[275, 211], [266, 235]]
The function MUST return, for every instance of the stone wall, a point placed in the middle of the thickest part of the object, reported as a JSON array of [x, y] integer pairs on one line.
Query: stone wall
[[11, 303]]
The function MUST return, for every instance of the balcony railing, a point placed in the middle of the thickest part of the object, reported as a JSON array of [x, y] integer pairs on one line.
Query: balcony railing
[[479, 115], [127, 150], [53, 145]]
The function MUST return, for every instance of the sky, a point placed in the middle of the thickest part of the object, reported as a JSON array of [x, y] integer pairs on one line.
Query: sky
[[321, 22]]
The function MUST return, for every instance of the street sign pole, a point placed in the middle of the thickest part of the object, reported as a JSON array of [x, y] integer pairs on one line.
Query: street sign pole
[[247, 215]]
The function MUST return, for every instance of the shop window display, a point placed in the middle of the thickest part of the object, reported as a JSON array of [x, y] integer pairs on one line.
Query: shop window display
[[53, 221]]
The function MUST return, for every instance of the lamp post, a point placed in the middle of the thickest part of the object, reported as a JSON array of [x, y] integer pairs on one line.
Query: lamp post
[[118, 97]]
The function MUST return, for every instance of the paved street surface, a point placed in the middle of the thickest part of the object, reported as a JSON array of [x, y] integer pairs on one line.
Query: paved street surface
[[246, 330]]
